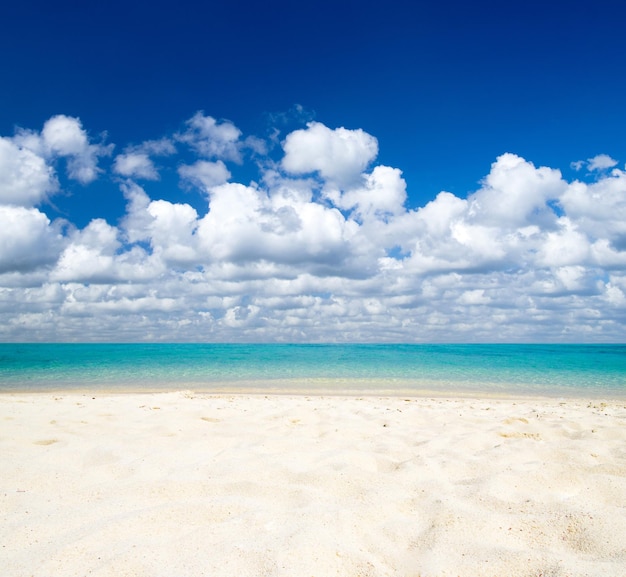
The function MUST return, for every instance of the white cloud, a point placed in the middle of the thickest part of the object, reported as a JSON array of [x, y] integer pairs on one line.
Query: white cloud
[[27, 239], [382, 194], [172, 231], [89, 256], [339, 155], [25, 178], [137, 220], [515, 193], [168, 228], [161, 147], [322, 248], [92, 255], [566, 246], [135, 165], [601, 162], [597, 163], [474, 297], [257, 145], [599, 208], [204, 174], [64, 137], [245, 224], [136, 161], [212, 139], [615, 296]]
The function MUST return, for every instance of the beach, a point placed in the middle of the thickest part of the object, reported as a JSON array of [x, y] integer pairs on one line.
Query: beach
[[188, 484]]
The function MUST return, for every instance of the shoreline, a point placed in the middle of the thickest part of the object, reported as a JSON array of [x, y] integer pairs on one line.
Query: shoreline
[[524, 393], [155, 484]]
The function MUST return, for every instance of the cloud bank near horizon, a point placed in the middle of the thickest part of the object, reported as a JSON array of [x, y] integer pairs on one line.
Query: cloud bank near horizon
[[321, 247]]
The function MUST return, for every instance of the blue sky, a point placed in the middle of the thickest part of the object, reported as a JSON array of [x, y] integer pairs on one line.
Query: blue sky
[[432, 93]]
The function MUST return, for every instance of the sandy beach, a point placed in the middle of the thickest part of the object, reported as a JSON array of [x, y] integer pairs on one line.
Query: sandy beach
[[183, 484]]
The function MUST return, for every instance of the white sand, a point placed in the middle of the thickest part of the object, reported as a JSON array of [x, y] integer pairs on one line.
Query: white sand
[[182, 485]]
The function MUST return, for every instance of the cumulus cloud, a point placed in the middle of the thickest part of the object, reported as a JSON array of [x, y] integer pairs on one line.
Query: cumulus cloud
[[246, 224], [135, 165], [211, 138], [136, 162], [64, 137], [322, 247], [601, 162], [597, 163], [338, 155], [89, 256], [204, 174], [27, 239], [599, 208], [25, 178], [168, 228], [381, 194], [161, 147], [516, 194]]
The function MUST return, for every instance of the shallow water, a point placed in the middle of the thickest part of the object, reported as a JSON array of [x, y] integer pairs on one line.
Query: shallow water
[[555, 370]]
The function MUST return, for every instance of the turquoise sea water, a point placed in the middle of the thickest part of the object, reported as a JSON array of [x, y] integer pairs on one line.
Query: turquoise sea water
[[555, 370]]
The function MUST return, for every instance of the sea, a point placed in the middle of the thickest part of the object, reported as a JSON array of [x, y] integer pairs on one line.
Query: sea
[[438, 369]]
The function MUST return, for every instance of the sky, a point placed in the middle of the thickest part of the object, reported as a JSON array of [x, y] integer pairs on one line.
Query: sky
[[312, 172]]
